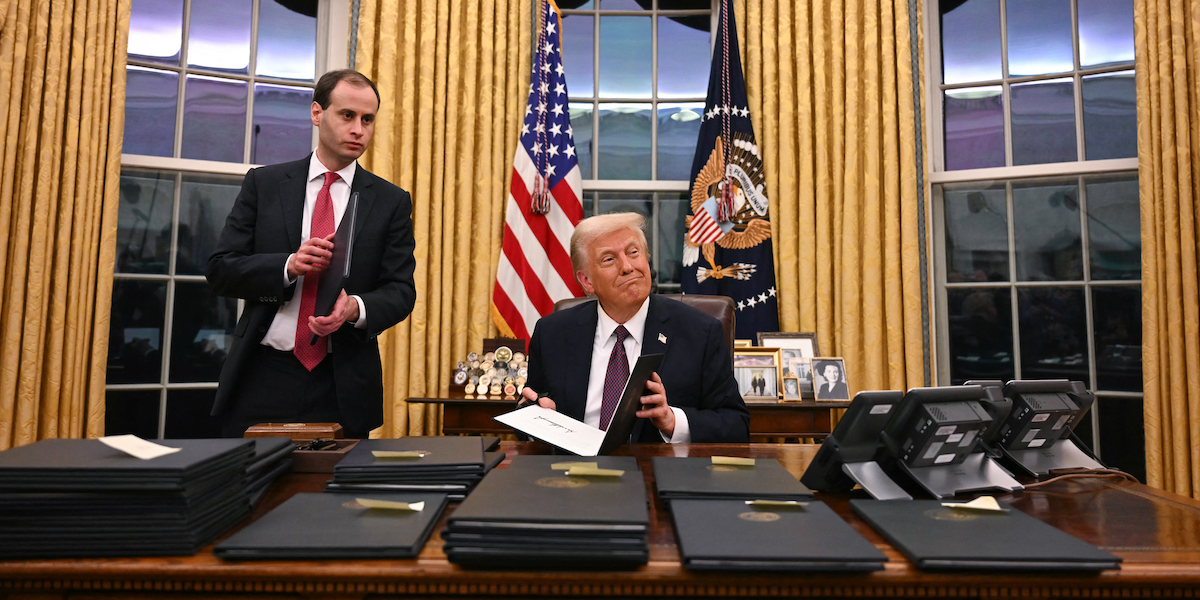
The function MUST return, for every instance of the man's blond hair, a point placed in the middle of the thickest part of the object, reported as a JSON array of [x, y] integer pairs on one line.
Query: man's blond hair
[[591, 228]]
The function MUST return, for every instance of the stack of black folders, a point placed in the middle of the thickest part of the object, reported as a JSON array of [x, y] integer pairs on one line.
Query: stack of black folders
[[448, 465], [934, 536], [65, 498], [738, 514], [534, 515], [272, 458], [339, 526]]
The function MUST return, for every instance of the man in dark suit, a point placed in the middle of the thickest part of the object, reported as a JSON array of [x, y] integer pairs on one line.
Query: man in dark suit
[[277, 241], [692, 398]]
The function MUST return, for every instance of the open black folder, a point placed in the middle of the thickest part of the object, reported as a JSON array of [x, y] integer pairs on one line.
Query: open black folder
[[333, 278]]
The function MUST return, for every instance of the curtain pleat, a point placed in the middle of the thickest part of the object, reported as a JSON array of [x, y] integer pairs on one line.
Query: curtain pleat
[[1167, 49], [62, 72], [450, 75], [830, 85]]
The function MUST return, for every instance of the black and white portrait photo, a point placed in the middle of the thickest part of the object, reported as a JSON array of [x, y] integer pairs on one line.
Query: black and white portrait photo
[[829, 379]]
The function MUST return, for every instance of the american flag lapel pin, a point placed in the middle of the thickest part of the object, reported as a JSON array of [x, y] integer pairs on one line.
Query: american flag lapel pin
[[662, 338]]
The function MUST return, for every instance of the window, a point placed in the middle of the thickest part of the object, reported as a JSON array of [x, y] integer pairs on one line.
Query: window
[[213, 88], [1035, 198], [637, 75]]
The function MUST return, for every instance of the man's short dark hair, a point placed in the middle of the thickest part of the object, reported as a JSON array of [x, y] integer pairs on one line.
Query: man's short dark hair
[[330, 80]]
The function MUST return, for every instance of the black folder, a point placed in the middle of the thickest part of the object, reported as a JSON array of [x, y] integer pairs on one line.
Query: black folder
[[335, 526], [332, 279], [732, 535], [766, 479], [442, 455], [933, 536]]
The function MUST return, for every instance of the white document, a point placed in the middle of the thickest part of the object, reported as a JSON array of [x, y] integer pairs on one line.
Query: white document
[[136, 446], [555, 429]]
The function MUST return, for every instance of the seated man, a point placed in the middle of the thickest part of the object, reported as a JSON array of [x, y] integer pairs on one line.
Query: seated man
[[579, 358]]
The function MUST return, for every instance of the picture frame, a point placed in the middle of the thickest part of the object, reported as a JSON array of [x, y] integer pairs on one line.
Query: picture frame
[[829, 379], [805, 341], [800, 367], [743, 343], [791, 389], [757, 372]]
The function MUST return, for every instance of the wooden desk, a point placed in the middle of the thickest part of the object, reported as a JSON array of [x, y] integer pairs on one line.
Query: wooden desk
[[1158, 535], [782, 420]]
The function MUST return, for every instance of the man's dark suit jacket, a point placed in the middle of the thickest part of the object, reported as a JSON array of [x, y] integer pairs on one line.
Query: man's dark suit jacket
[[696, 368], [263, 229]]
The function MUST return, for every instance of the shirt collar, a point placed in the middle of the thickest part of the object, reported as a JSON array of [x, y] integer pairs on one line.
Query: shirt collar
[[316, 169], [636, 325]]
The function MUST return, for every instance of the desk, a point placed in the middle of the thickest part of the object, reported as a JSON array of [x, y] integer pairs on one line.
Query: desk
[[785, 419], [1158, 535]]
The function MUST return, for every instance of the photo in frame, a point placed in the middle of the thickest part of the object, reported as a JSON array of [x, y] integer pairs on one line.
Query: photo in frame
[[792, 364], [743, 343], [757, 373], [829, 379], [805, 342], [791, 389]]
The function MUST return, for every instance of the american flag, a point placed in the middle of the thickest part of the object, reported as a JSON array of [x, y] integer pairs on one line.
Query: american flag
[[543, 199]]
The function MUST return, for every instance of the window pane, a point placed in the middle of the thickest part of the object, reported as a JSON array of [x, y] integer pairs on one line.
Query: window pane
[[974, 128], [151, 98], [970, 40], [1039, 37], [144, 221], [282, 124], [214, 119], [683, 57], [1122, 434], [219, 35], [135, 331], [188, 415], [1053, 333], [204, 202], [638, 202], [131, 412], [1043, 122], [578, 47], [625, 55], [1110, 115], [1046, 228], [1117, 316], [981, 345], [678, 130], [156, 31], [672, 211], [1105, 32], [976, 235], [1114, 229], [624, 141], [621, 5], [201, 332], [287, 39], [589, 204], [581, 129], [685, 5]]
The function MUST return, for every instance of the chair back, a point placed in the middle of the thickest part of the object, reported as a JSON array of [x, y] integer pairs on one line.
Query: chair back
[[720, 308]]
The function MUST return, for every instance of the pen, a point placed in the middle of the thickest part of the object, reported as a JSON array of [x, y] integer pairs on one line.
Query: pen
[[527, 402]]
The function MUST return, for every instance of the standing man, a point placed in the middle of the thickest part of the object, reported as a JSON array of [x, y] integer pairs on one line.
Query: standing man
[[277, 241], [578, 354]]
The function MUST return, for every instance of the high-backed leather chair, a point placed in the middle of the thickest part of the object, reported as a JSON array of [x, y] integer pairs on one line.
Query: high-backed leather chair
[[720, 307]]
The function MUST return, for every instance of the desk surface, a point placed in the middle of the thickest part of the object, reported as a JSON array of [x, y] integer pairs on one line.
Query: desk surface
[[1158, 535]]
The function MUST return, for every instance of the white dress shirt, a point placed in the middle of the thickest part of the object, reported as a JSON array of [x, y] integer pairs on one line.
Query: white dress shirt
[[602, 347], [282, 333]]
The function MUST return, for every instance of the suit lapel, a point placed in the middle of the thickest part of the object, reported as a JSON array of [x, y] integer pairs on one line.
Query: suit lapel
[[579, 363], [291, 201]]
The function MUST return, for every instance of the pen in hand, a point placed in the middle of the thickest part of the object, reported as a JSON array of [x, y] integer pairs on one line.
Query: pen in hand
[[528, 402]]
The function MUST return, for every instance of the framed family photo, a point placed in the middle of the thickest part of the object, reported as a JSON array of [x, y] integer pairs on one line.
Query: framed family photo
[[802, 344], [757, 371], [791, 389], [829, 379]]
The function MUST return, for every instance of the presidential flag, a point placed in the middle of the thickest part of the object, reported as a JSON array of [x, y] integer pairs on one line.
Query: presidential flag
[[544, 198], [727, 248]]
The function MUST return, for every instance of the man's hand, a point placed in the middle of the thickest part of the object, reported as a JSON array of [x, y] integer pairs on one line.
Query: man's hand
[[312, 257], [346, 309], [655, 408], [528, 396]]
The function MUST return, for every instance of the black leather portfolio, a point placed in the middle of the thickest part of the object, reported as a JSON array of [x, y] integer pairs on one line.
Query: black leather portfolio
[[442, 454], [933, 536], [545, 462], [766, 479], [732, 535], [333, 526]]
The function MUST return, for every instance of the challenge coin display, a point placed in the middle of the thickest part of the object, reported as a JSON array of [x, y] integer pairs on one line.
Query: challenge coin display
[[504, 354]]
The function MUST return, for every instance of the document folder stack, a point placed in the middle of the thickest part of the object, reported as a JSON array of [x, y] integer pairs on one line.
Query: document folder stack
[[81, 498], [699, 478], [337, 526], [272, 458], [531, 515], [447, 465]]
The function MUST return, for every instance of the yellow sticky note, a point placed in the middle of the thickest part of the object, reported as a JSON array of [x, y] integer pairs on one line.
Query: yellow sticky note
[[985, 503], [398, 453], [594, 472], [391, 505], [733, 460], [776, 503], [563, 466]]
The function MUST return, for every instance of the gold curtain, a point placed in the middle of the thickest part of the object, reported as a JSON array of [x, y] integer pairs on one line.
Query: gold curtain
[[453, 78], [1167, 43], [62, 71], [830, 86]]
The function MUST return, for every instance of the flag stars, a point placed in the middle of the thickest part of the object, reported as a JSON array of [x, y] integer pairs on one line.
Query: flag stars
[[556, 129], [771, 291], [558, 69], [549, 171], [741, 306], [752, 301], [554, 152], [560, 89], [558, 110], [541, 107], [545, 67], [762, 297], [544, 87], [569, 133], [570, 151], [540, 128], [550, 27], [524, 129], [548, 48], [536, 149]]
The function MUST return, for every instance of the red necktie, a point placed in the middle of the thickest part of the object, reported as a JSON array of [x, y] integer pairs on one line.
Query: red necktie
[[321, 226], [615, 379]]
